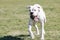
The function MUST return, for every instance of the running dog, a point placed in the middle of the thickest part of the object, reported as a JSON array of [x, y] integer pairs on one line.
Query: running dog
[[36, 15]]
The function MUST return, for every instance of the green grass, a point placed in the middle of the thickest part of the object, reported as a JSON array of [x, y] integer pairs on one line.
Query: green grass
[[14, 19]]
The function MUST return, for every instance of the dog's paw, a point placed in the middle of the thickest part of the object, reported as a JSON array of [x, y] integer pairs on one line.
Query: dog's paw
[[32, 37]]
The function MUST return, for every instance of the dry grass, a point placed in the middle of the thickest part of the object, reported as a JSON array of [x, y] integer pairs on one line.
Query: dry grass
[[14, 19]]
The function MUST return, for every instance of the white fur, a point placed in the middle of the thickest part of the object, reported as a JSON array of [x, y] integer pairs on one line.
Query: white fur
[[37, 10]]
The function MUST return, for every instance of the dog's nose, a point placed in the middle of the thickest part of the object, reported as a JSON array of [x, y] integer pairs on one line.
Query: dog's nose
[[31, 13]]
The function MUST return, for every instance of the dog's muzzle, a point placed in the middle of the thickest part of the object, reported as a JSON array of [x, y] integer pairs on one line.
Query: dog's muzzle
[[31, 15], [35, 18]]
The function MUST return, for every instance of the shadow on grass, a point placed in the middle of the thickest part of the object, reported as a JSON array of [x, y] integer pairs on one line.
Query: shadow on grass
[[20, 37]]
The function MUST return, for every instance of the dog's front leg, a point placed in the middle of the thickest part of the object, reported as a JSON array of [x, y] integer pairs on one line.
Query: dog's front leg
[[37, 30], [30, 29], [42, 30]]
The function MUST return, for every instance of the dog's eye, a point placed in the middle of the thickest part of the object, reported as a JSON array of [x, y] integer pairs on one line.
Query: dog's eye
[[34, 10]]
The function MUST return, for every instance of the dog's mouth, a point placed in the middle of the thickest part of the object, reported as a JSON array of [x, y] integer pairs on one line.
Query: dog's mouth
[[35, 18]]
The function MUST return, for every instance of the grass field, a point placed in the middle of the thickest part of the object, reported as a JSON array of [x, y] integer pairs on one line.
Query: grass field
[[14, 19]]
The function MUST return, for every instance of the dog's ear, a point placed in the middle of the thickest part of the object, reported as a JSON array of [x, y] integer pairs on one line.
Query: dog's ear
[[29, 6], [38, 6]]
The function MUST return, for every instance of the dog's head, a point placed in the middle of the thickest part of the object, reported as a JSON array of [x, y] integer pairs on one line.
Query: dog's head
[[34, 10]]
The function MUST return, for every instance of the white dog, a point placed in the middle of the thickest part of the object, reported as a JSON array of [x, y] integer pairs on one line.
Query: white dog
[[36, 14]]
